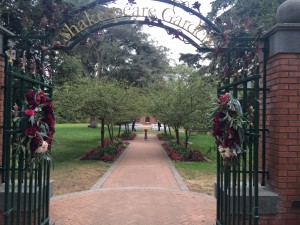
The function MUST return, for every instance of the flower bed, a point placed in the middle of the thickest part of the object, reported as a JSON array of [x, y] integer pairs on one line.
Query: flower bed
[[128, 136], [180, 153], [164, 137], [108, 153]]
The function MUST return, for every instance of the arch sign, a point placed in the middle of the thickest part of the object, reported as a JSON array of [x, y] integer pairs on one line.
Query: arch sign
[[178, 18]]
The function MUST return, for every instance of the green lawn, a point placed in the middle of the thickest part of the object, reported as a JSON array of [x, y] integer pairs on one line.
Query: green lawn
[[71, 174], [71, 142]]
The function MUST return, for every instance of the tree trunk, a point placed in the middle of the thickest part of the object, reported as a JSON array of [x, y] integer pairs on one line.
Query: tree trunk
[[170, 132], [177, 136], [102, 132], [165, 129], [109, 131], [119, 133], [186, 138], [93, 123]]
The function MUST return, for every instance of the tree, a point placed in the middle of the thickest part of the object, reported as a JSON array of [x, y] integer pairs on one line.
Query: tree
[[232, 15], [27, 16], [111, 102], [235, 18], [64, 67], [123, 53], [183, 102]]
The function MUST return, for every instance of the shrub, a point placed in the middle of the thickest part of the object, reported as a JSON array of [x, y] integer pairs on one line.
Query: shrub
[[164, 137], [179, 152], [109, 152], [128, 136]]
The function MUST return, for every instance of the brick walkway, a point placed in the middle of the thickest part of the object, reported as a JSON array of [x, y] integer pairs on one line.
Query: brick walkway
[[141, 188]]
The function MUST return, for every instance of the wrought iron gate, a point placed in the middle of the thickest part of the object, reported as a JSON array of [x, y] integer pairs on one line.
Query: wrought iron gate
[[237, 187], [26, 184], [27, 187]]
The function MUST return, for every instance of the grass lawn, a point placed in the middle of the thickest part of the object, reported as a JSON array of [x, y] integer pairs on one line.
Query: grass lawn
[[71, 174], [199, 176]]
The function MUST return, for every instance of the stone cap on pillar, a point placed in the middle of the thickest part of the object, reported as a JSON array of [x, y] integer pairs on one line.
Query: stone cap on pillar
[[284, 37]]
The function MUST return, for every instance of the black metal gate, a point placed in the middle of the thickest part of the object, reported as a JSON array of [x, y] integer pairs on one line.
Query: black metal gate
[[27, 182], [237, 187], [27, 185]]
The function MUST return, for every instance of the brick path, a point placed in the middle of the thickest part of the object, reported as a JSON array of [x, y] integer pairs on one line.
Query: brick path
[[141, 188]]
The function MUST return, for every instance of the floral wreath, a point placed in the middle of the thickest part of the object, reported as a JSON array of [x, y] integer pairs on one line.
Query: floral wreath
[[37, 125], [228, 126]]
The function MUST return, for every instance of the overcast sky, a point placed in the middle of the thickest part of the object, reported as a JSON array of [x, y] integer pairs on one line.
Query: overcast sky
[[160, 35]]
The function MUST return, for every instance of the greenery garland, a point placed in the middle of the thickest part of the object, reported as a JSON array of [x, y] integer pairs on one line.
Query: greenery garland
[[228, 126]]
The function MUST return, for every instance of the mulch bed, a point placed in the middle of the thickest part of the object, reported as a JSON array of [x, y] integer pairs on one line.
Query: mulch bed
[[164, 137], [129, 138], [98, 153]]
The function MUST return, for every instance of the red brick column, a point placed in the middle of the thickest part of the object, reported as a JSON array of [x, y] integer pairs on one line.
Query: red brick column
[[283, 137]]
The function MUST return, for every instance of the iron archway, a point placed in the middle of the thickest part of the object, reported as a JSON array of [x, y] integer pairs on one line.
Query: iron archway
[[227, 182]]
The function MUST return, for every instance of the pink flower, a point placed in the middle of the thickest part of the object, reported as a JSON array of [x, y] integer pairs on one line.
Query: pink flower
[[223, 99], [29, 112], [43, 148]]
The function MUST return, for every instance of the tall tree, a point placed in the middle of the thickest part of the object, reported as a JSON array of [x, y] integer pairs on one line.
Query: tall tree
[[235, 18], [183, 101], [123, 53]]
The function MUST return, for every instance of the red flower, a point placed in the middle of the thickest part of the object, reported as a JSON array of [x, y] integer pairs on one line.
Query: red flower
[[29, 112], [51, 123], [42, 93], [30, 95], [50, 105], [43, 99], [38, 99], [50, 117], [32, 103], [31, 131]]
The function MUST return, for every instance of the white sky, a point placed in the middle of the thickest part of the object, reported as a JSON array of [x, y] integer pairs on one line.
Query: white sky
[[160, 35]]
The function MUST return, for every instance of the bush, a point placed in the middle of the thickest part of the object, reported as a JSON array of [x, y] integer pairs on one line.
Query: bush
[[128, 136], [179, 152], [109, 152], [164, 137]]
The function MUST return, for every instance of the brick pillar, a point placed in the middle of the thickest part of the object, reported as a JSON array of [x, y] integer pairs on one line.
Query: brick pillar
[[283, 122]]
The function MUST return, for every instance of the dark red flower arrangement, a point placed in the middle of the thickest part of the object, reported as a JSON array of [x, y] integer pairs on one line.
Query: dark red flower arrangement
[[37, 124], [228, 126]]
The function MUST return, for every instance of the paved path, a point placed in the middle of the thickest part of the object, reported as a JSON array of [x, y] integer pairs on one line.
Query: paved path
[[141, 188]]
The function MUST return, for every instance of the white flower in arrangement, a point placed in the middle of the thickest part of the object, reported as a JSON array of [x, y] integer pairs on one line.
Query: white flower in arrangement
[[43, 148], [225, 152]]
